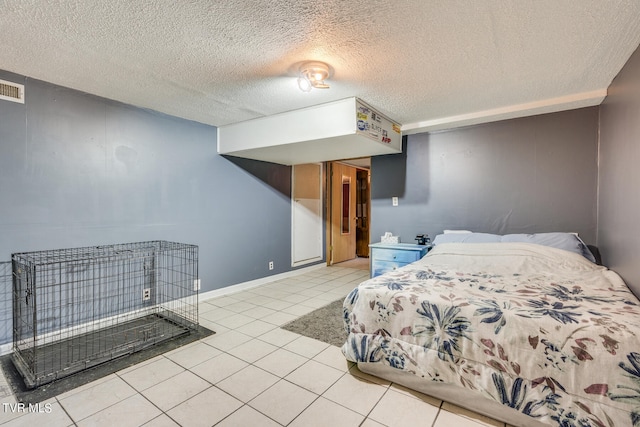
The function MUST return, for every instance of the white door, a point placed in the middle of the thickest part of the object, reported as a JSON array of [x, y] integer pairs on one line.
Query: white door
[[306, 214]]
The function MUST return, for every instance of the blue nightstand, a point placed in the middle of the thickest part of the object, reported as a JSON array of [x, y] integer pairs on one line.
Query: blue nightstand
[[391, 256]]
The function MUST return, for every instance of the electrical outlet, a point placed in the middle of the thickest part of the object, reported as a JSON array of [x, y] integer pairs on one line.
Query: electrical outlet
[[394, 201], [196, 285], [270, 265], [146, 294]]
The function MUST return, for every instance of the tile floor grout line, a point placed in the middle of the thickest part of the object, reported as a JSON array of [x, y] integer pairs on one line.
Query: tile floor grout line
[[435, 420], [284, 379], [65, 410], [249, 406], [377, 402], [318, 396], [258, 367], [162, 412], [346, 407], [273, 385], [102, 409]]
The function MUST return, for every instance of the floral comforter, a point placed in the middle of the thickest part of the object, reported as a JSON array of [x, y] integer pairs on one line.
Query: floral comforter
[[541, 330]]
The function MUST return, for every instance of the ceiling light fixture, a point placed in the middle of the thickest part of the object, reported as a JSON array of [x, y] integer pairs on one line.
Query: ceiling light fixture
[[312, 74]]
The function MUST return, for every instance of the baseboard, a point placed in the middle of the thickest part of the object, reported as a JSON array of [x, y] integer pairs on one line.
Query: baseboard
[[255, 283], [8, 347]]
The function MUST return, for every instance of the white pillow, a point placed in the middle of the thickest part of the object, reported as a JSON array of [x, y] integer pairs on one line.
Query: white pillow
[[457, 231], [567, 241]]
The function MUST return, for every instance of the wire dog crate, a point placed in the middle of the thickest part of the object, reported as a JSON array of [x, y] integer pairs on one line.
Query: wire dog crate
[[76, 308]]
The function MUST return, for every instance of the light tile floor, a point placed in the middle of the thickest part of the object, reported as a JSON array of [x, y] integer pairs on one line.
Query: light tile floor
[[250, 373]]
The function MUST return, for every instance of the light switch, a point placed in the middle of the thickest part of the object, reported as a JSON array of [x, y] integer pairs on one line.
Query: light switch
[[394, 201]]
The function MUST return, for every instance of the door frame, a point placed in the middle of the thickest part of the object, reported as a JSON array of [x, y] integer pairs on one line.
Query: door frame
[[329, 172]]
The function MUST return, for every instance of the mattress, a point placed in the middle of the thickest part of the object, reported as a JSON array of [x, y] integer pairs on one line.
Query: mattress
[[540, 331]]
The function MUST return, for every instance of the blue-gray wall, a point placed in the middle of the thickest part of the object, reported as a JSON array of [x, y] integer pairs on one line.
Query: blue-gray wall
[[526, 175], [619, 184], [79, 170]]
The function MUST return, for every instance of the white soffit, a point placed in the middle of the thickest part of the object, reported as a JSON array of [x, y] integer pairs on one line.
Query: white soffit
[[428, 64], [344, 129]]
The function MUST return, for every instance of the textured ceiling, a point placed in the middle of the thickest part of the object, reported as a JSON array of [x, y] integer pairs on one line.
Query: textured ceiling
[[426, 64]]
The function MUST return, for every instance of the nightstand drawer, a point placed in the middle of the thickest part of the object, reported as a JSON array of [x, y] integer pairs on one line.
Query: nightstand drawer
[[396, 256], [387, 257], [381, 267]]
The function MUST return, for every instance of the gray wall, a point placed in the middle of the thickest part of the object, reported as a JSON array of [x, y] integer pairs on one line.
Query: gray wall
[[533, 174], [79, 170], [619, 185]]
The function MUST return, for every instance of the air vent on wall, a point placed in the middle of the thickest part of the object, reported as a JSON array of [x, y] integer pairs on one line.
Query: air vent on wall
[[11, 91]]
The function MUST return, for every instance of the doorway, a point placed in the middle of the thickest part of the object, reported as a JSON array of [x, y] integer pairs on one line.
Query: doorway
[[348, 212], [363, 212]]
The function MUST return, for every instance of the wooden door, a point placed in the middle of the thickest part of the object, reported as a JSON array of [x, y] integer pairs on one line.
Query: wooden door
[[363, 211], [343, 213]]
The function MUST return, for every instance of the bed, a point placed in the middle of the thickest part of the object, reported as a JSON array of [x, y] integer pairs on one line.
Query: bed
[[523, 332]]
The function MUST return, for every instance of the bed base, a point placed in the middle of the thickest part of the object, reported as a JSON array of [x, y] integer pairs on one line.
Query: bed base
[[453, 394]]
